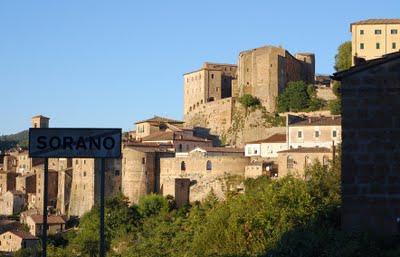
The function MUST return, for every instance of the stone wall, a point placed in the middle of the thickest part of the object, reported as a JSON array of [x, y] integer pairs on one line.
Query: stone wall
[[234, 125], [370, 148], [224, 174]]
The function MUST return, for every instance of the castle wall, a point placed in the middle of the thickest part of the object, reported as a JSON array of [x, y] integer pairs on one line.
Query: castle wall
[[203, 181], [138, 173]]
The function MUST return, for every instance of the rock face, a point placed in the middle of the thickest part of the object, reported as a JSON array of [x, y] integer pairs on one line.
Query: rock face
[[234, 124]]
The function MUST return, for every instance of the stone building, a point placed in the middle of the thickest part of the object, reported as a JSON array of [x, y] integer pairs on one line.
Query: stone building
[[8, 162], [56, 224], [265, 71], [7, 181], [12, 202], [268, 147], [319, 131], [213, 81], [179, 141], [373, 38], [370, 147], [26, 183], [156, 124], [52, 188], [192, 176], [295, 161], [14, 240], [141, 168], [85, 190]]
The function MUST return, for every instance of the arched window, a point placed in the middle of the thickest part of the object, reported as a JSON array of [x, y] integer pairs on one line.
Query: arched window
[[290, 162], [180, 147], [209, 165], [183, 166], [325, 160]]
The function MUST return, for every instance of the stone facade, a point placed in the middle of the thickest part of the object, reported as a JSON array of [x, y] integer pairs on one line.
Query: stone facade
[[52, 188], [85, 183], [212, 82], [214, 169], [370, 147], [150, 126], [371, 39], [317, 131], [14, 240], [11, 202], [56, 224], [7, 181], [295, 161], [264, 72], [26, 183]]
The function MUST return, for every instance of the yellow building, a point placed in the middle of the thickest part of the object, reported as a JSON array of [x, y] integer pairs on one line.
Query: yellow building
[[374, 38]]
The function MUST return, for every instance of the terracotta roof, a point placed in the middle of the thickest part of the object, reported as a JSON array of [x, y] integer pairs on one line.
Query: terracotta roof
[[171, 136], [377, 21], [158, 119], [52, 219], [366, 65], [307, 150], [317, 121], [275, 138], [23, 234], [147, 147], [222, 149]]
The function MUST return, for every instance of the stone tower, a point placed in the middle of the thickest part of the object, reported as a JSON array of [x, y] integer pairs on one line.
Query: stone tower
[[40, 121]]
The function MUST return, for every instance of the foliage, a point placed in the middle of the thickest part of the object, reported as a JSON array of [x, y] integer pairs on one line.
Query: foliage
[[335, 107], [299, 96], [152, 204], [284, 217], [9, 141], [343, 57], [248, 101]]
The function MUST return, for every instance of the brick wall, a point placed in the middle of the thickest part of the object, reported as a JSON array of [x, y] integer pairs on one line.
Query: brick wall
[[370, 149]]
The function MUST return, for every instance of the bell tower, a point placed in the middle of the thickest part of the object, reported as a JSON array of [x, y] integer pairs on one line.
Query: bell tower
[[40, 121]]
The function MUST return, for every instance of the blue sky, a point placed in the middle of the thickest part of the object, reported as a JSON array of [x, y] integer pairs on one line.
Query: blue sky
[[110, 63]]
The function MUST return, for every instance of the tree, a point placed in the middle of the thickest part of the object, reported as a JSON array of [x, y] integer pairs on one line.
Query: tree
[[343, 57], [248, 100], [295, 97]]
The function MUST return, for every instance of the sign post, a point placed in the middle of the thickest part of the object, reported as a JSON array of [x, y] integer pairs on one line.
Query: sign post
[[74, 143]]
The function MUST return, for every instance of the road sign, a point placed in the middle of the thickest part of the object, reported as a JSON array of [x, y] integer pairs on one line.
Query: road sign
[[74, 143]]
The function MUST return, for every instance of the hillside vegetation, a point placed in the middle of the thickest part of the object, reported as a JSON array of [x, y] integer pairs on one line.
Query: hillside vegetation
[[285, 217], [10, 141]]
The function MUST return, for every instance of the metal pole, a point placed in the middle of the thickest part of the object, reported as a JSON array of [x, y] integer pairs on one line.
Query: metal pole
[[45, 199], [102, 185]]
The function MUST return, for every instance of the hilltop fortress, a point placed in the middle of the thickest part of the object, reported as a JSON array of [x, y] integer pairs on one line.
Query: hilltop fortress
[[211, 93]]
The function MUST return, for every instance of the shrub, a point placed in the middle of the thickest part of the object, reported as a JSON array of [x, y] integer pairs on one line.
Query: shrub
[[335, 107], [248, 100]]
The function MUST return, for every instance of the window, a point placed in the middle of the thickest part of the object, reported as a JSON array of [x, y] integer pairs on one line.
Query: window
[[209, 165], [378, 32], [378, 46], [180, 147], [299, 134], [144, 160], [212, 76], [361, 45], [290, 162], [117, 173], [84, 161], [393, 31], [183, 166], [84, 173], [76, 161], [361, 32], [334, 133], [393, 45], [316, 133]]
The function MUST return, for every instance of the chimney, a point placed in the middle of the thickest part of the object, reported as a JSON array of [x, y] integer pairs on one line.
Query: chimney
[[309, 120]]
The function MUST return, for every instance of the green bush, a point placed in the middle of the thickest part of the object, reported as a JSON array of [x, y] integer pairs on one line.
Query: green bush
[[298, 96], [248, 100], [335, 107]]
